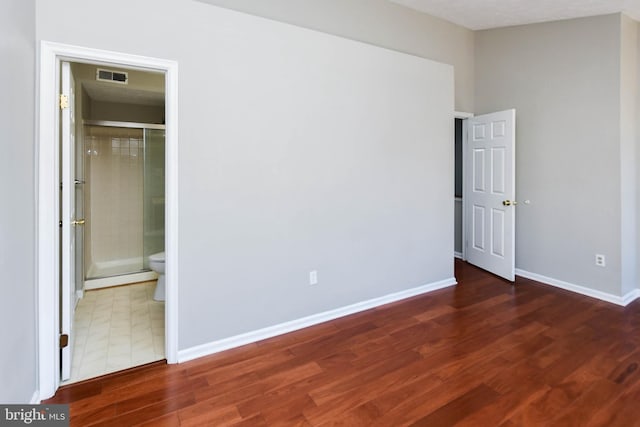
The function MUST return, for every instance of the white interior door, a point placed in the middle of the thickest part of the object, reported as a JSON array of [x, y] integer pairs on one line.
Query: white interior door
[[69, 221], [489, 195]]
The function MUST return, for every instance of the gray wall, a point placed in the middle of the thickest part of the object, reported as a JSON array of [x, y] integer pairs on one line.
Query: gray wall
[[118, 111], [17, 215], [268, 191], [386, 24], [563, 79], [629, 117], [457, 241], [381, 23]]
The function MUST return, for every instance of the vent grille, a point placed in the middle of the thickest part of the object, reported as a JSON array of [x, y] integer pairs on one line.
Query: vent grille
[[121, 77]]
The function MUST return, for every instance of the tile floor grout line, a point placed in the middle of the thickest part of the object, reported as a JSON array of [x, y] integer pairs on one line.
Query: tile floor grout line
[[110, 343]]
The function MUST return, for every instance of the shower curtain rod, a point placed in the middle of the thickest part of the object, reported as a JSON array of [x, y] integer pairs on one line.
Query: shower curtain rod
[[131, 125]]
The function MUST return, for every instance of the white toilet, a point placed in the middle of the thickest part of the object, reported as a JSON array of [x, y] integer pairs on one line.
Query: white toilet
[[156, 263]]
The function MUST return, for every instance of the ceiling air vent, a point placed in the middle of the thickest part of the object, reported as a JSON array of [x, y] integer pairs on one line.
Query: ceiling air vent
[[103, 75]]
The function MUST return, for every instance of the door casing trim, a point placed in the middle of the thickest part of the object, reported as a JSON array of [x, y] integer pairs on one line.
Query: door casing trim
[[47, 202]]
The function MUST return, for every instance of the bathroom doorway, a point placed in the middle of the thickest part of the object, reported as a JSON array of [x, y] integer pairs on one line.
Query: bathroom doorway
[[55, 289], [118, 147]]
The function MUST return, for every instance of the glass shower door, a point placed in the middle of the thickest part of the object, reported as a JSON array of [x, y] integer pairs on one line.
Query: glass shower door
[[153, 188], [113, 202]]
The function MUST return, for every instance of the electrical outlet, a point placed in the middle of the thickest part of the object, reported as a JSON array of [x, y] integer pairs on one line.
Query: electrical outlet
[[313, 277], [600, 260]]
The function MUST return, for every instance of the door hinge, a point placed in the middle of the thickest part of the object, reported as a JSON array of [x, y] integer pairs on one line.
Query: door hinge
[[64, 101], [64, 340]]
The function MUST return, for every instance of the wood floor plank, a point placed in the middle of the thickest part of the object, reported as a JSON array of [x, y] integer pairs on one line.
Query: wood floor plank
[[335, 408], [257, 364], [422, 402], [503, 407], [147, 413], [206, 413], [459, 408], [621, 412], [168, 420], [255, 421], [349, 383], [482, 353], [627, 370]]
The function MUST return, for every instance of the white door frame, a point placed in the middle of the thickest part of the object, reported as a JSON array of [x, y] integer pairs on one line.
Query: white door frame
[[47, 232], [463, 116]]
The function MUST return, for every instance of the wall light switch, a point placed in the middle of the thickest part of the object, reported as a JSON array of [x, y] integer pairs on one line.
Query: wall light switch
[[313, 277]]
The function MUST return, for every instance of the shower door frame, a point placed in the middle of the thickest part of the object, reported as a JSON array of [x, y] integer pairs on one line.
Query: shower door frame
[[137, 276], [51, 55]]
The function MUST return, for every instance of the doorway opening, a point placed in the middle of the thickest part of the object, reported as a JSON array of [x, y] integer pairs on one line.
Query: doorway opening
[[460, 125], [65, 139], [117, 159], [458, 234]]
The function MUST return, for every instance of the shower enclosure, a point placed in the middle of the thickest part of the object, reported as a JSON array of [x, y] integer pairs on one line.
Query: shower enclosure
[[123, 202]]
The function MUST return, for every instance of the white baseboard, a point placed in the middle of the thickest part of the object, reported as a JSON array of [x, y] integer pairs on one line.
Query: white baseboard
[[294, 325], [457, 254], [630, 297], [79, 296], [126, 279], [35, 399], [604, 296]]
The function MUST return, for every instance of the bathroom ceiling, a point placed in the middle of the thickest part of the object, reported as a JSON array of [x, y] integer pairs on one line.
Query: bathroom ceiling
[[142, 88], [483, 14], [113, 92]]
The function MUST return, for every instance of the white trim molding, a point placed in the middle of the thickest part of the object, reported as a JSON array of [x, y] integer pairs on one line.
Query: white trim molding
[[630, 297], [603, 296], [51, 54], [462, 115], [294, 325], [458, 255]]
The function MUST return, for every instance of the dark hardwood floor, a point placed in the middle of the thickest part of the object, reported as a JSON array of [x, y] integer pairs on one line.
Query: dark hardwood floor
[[482, 353]]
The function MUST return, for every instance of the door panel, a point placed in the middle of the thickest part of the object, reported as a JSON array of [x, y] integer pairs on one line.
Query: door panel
[[498, 166], [478, 228], [490, 147], [478, 170], [68, 196], [497, 226]]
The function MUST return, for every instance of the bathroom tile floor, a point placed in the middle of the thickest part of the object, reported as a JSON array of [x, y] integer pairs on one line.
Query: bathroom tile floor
[[115, 329]]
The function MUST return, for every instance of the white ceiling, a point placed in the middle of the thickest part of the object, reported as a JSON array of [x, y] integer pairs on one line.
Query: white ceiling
[[483, 14]]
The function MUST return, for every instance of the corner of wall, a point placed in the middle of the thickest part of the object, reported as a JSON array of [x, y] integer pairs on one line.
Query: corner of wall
[[629, 115], [554, 65]]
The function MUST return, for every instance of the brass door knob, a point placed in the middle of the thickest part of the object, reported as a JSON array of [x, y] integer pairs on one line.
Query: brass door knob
[[78, 222], [509, 202]]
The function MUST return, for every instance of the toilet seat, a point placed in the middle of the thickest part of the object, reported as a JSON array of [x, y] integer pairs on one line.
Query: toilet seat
[[159, 257], [156, 263]]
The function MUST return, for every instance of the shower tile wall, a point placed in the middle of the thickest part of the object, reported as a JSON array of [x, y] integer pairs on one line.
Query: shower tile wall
[[114, 166]]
